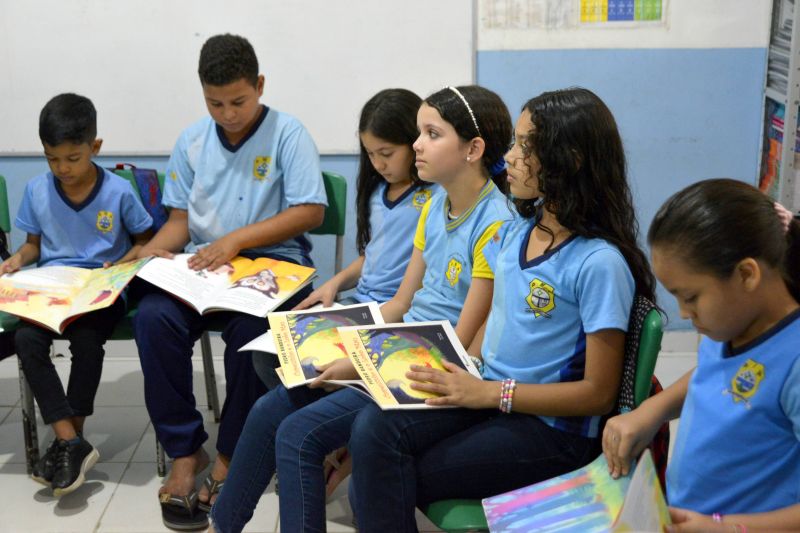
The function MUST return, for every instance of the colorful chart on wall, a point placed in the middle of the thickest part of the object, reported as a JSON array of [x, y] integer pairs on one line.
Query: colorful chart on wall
[[616, 11]]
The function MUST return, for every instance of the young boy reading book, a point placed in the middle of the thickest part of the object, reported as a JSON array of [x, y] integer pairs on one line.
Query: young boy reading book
[[75, 215], [243, 181]]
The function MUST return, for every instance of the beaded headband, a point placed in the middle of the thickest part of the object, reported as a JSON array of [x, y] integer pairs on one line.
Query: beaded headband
[[466, 104]]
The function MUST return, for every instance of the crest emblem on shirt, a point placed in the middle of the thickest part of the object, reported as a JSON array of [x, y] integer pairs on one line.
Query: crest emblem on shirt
[[746, 381], [541, 299], [261, 167], [420, 197], [453, 271], [173, 176], [105, 221]]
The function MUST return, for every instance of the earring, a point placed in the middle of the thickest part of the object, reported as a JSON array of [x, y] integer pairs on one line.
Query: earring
[[467, 159]]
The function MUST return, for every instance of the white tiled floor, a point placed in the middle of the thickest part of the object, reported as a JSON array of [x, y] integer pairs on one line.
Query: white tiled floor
[[120, 493]]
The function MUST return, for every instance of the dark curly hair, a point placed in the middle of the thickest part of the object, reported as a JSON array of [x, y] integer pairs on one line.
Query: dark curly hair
[[494, 123], [390, 115], [582, 176], [227, 58], [68, 117]]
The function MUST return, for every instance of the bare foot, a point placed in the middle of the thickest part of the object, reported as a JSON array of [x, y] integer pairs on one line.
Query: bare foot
[[181, 480], [218, 472]]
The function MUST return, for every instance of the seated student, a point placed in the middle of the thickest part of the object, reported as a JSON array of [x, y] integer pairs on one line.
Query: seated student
[[566, 271], [463, 134], [243, 181], [733, 265], [78, 214], [389, 198]]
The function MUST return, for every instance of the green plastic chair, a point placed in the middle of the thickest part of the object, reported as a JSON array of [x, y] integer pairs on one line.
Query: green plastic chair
[[335, 214], [463, 515]]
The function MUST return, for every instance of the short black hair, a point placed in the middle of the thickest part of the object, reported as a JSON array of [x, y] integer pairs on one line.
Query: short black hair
[[68, 117], [227, 58]]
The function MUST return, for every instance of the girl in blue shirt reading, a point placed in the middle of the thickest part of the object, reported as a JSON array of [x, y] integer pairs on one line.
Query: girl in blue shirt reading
[[566, 271], [464, 132], [389, 199], [733, 263]]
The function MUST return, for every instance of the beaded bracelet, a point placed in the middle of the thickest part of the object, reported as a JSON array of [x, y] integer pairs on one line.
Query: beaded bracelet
[[507, 395], [717, 518]]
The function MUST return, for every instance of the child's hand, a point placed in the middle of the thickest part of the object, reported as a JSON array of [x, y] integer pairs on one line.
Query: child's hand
[[325, 295], [455, 386], [685, 521], [338, 369], [12, 264], [157, 252], [624, 438], [214, 255], [107, 264]]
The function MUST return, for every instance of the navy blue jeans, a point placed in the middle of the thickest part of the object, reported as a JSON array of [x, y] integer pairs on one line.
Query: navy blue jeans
[[294, 430], [166, 330], [405, 459]]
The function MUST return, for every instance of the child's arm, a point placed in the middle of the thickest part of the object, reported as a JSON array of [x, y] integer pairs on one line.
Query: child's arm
[[139, 241], [626, 435], [289, 223], [786, 519], [28, 253], [344, 280], [476, 309], [394, 309], [171, 238]]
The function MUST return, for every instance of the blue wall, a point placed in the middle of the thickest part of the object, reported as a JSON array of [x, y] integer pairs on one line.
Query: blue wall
[[684, 114]]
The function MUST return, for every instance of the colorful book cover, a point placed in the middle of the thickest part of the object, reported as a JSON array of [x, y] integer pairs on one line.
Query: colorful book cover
[[383, 354], [644, 507], [305, 340], [585, 500], [54, 296], [252, 286]]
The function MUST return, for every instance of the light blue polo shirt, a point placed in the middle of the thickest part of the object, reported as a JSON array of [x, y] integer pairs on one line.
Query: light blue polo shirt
[[453, 252], [225, 187], [391, 226], [84, 235], [543, 309]]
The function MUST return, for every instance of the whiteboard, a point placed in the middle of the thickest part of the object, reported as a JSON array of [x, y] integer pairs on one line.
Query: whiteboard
[[137, 61]]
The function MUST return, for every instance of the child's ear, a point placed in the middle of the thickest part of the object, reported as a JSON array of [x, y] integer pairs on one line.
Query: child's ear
[[476, 148], [748, 271], [260, 83], [96, 144]]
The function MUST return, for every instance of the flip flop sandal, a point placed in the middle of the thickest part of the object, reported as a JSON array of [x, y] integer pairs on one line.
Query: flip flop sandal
[[181, 513], [213, 486]]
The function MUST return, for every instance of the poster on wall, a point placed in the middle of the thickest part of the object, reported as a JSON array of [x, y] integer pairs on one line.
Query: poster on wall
[[613, 12]]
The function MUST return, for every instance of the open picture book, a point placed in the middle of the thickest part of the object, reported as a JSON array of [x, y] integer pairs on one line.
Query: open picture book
[[251, 286], [305, 340], [54, 296], [382, 354], [586, 500]]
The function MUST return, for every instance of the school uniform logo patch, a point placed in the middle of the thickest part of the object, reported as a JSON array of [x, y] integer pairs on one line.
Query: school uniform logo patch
[[420, 197], [261, 167], [746, 381], [453, 271], [173, 176], [541, 299], [105, 221]]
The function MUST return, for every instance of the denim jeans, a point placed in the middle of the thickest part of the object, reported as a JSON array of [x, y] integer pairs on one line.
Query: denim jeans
[[404, 459], [87, 335], [298, 427]]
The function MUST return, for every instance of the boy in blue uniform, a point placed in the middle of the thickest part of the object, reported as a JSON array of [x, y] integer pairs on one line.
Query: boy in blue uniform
[[244, 181], [76, 215]]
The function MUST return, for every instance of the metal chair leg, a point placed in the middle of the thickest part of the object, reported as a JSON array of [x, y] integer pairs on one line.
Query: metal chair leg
[[210, 376], [28, 421]]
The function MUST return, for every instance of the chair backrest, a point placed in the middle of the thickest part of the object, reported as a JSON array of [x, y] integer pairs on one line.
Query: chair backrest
[[5, 216], [335, 213], [642, 344]]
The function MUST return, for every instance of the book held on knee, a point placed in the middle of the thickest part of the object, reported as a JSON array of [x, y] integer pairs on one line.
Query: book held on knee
[[251, 286], [382, 354], [54, 296]]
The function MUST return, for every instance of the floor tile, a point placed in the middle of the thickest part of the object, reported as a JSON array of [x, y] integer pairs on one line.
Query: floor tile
[[30, 507], [12, 440], [9, 382]]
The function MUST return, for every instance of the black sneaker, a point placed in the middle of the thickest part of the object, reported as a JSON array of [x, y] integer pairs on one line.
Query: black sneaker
[[43, 470], [72, 463]]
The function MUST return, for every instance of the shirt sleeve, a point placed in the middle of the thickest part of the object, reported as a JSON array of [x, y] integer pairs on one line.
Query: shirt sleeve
[[419, 236], [299, 162], [179, 176], [134, 216], [605, 291], [26, 217], [483, 266], [790, 398]]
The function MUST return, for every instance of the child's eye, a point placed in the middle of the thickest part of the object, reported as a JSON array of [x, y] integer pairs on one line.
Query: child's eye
[[690, 299], [433, 135]]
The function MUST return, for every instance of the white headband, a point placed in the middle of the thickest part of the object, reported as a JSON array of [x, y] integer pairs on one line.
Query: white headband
[[466, 104]]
